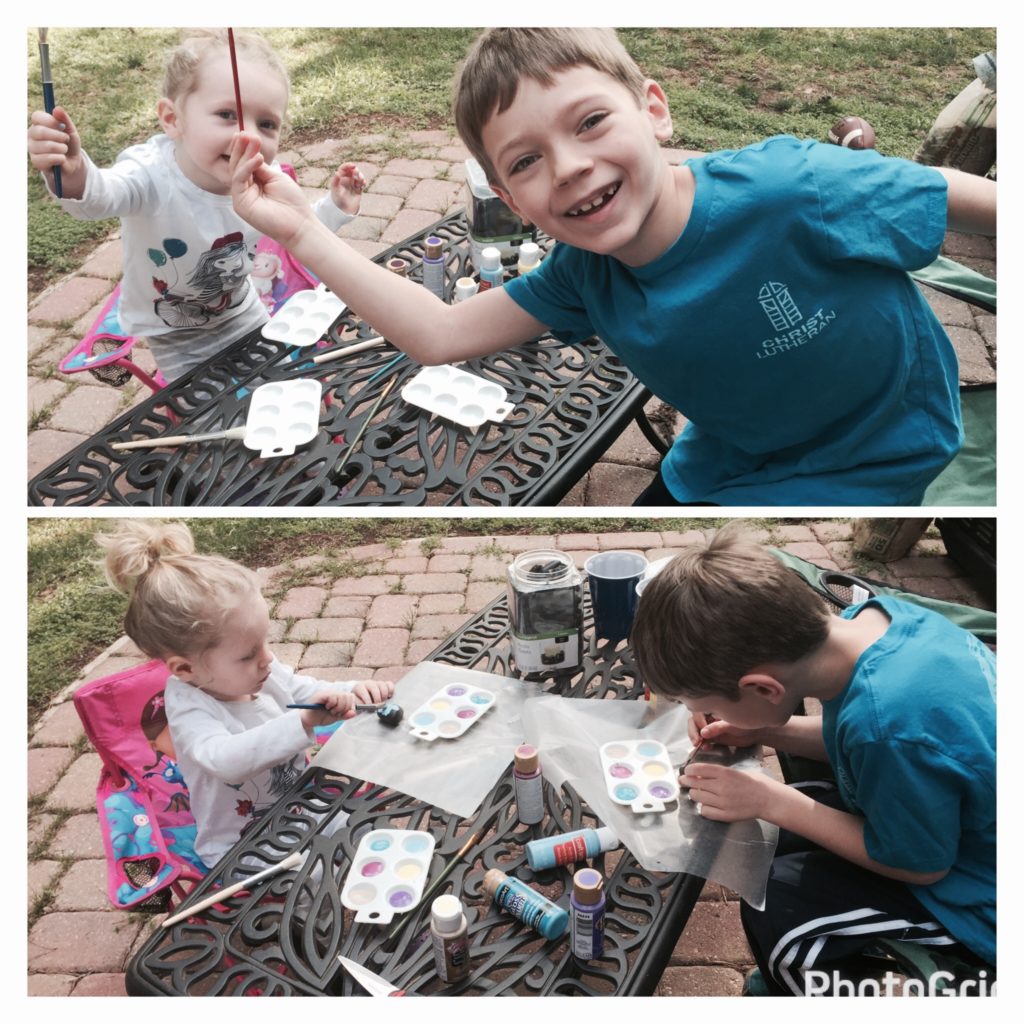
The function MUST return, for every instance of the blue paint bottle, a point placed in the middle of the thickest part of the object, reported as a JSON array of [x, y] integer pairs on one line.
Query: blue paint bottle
[[569, 847], [587, 905], [530, 906]]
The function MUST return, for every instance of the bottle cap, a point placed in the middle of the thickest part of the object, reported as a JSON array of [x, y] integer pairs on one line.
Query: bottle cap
[[586, 886], [490, 258], [526, 758], [465, 287], [607, 838], [432, 248], [529, 254], [492, 880], [397, 265], [446, 914]]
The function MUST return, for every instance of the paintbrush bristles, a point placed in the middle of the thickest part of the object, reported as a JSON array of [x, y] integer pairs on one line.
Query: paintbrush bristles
[[42, 34]]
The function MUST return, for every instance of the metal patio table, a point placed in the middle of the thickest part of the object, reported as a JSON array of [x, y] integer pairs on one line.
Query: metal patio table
[[570, 402], [283, 937]]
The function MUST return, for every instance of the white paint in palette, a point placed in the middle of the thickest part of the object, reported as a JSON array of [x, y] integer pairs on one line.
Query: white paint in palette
[[450, 712], [638, 774], [387, 875]]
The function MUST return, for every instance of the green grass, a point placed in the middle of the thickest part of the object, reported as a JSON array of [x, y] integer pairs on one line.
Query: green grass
[[73, 616], [726, 88]]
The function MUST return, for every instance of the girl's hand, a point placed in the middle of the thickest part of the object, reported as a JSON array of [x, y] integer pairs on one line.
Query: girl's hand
[[268, 200], [337, 705], [347, 184], [717, 730], [729, 794], [374, 691], [53, 141]]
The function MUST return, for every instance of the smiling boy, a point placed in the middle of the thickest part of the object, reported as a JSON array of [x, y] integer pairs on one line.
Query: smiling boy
[[762, 292]]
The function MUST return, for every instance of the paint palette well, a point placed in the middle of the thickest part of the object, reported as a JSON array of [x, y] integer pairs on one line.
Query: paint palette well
[[282, 415], [458, 396], [305, 318], [450, 712], [639, 775], [387, 874]]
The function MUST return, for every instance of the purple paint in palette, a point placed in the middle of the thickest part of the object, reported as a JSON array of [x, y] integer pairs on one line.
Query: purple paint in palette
[[450, 711], [388, 872], [639, 774]]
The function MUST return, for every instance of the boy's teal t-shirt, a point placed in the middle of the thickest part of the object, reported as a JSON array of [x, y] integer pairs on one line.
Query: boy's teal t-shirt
[[783, 325], [912, 742]]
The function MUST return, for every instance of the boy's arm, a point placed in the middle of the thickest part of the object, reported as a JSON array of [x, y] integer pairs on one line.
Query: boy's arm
[[838, 831], [970, 202], [725, 794], [407, 314]]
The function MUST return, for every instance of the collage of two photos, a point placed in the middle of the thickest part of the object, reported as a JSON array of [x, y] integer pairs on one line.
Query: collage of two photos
[[394, 393]]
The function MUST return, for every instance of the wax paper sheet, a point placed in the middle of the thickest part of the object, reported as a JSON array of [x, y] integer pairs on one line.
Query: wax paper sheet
[[452, 774], [569, 734]]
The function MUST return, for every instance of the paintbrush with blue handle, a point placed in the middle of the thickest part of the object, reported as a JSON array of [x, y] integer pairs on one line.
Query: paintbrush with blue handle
[[48, 101]]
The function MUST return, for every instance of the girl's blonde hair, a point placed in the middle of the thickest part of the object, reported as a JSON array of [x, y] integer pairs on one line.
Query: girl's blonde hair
[[177, 600], [181, 69]]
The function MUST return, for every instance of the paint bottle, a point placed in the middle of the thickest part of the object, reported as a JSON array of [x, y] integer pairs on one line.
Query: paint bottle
[[398, 266], [465, 288], [587, 905], [528, 784], [569, 847], [449, 937], [433, 265], [529, 258], [527, 904], [492, 274]]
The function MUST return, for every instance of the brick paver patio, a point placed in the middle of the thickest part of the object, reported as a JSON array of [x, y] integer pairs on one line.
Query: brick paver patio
[[376, 623]]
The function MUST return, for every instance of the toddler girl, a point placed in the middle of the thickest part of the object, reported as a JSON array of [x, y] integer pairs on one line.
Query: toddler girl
[[186, 253], [238, 746]]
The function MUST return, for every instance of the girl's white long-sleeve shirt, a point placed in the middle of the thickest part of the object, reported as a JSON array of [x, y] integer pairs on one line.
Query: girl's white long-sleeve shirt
[[186, 254], [238, 757]]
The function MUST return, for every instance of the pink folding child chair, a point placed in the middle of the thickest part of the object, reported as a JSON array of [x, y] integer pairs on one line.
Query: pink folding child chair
[[142, 801]]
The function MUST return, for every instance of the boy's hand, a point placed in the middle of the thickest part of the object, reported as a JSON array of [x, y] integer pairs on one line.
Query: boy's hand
[[347, 184], [53, 141], [374, 691], [730, 794], [337, 705], [717, 730], [268, 200]]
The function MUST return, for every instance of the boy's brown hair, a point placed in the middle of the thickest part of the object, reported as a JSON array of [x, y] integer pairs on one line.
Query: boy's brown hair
[[489, 77], [719, 610]]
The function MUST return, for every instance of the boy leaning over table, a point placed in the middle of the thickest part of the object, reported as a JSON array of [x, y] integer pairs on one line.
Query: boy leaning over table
[[903, 844], [762, 292]]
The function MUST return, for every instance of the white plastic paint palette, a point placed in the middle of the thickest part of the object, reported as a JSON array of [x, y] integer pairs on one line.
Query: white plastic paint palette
[[282, 415], [387, 874], [458, 396], [639, 774], [450, 712], [305, 318]]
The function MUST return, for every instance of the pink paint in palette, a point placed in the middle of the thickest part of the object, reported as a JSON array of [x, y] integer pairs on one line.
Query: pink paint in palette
[[450, 712], [387, 874], [639, 775]]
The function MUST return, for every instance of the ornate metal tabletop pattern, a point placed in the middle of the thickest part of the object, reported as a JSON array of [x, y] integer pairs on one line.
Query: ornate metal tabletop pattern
[[283, 937], [571, 401]]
